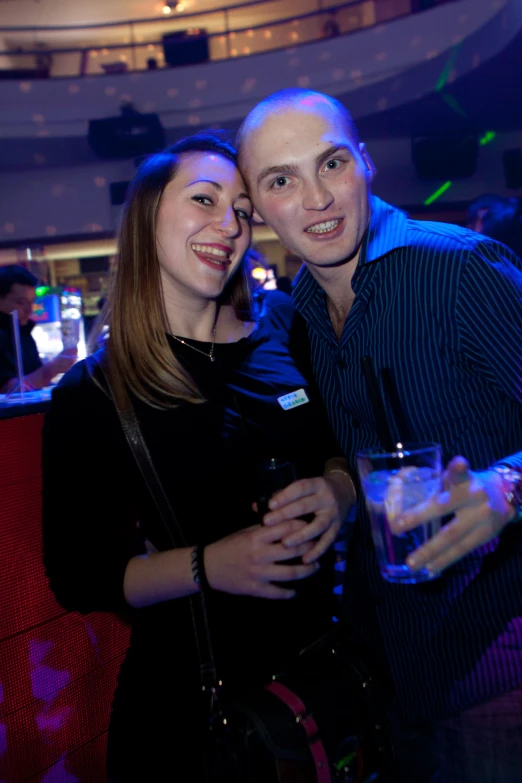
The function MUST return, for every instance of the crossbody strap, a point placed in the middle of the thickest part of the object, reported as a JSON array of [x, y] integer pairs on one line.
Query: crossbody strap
[[143, 459]]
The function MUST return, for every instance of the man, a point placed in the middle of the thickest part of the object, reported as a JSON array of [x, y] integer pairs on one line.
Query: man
[[440, 309], [18, 292], [497, 217]]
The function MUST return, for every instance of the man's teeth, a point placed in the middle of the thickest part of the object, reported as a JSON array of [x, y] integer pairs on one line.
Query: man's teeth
[[209, 250], [322, 228]]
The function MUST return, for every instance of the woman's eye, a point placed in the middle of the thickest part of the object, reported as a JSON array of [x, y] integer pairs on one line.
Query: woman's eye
[[243, 214], [280, 182], [203, 200]]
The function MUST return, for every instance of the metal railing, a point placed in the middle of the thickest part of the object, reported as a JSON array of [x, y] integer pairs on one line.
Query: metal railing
[[210, 35]]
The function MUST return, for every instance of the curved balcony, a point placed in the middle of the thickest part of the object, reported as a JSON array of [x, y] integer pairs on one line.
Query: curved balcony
[[180, 37]]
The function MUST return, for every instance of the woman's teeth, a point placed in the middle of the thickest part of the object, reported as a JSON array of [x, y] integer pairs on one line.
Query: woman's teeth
[[209, 250]]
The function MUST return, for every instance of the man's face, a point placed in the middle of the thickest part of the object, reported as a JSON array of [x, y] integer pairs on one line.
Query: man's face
[[309, 181], [20, 298]]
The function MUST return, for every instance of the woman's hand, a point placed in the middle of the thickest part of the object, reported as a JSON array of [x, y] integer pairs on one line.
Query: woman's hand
[[247, 562], [327, 497]]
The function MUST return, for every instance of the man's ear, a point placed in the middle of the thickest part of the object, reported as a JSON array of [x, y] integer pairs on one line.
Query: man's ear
[[256, 217], [371, 171]]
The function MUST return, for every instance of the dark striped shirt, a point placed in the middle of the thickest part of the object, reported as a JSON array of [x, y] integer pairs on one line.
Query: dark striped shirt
[[441, 307]]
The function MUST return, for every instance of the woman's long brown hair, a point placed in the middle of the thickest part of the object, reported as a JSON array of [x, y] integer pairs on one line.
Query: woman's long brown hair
[[138, 356]]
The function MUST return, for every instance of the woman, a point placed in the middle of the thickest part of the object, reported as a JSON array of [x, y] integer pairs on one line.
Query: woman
[[206, 382]]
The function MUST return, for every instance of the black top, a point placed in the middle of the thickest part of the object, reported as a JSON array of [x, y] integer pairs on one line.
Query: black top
[[204, 455], [30, 359]]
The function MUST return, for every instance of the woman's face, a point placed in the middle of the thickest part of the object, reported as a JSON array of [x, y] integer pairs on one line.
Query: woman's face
[[203, 227]]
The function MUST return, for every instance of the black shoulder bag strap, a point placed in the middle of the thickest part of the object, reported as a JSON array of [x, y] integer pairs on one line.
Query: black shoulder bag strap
[[141, 454]]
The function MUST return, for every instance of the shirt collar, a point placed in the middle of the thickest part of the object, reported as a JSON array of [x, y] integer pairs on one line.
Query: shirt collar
[[387, 231]]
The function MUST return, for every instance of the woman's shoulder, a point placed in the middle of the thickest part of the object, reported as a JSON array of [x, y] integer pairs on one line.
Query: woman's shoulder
[[79, 384]]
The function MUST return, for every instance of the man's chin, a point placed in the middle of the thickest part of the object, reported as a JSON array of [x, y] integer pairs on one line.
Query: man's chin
[[330, 263]]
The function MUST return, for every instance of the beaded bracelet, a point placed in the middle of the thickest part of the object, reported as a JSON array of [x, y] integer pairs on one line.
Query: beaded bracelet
[[348, 476], [197, 563]]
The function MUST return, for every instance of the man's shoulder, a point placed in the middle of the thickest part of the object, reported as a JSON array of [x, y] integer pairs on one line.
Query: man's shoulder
[[445, 237]]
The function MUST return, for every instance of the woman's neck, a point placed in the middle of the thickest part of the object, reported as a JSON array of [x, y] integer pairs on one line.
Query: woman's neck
[[197, 321], [229, 328]]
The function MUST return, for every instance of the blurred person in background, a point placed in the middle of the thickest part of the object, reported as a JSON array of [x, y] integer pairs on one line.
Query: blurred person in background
[[497, 217], [284, 284], [18, 292]]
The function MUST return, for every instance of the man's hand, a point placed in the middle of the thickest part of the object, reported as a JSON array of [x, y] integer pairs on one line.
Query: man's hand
[[63, 361], [322, 496], [480, 510]]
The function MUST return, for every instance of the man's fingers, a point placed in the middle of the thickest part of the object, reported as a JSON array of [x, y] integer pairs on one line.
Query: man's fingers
[[424, 512], [457, 472], [449, 538], [461, 548]]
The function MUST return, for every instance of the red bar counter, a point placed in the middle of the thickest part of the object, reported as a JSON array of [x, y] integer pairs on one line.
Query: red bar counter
[[57, 669]]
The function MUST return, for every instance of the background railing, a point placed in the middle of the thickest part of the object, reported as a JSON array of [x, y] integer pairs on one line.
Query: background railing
[[237, 30]]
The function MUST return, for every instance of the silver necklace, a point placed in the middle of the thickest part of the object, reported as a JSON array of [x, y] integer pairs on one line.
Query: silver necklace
[[210, 354]]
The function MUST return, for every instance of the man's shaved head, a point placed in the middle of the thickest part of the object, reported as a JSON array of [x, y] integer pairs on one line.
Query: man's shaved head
[[294, 98]]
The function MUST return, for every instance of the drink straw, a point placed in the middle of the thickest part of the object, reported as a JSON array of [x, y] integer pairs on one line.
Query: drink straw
[[392, 395], [379, 411], [18, 351]]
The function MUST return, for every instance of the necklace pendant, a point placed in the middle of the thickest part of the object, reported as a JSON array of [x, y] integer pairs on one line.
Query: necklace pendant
[[212, 357]]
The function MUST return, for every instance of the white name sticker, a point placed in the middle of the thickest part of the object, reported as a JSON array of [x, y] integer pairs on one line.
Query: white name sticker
[[293, 400]]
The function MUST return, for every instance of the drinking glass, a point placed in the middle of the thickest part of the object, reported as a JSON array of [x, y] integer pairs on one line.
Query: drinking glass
[[274, 474], [395, 482]]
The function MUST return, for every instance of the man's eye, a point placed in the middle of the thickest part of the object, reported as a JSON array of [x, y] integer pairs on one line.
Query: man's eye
[[280, 182], [202, 200], [333, 164]]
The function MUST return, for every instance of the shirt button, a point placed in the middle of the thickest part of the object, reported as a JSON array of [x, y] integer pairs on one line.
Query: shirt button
[[340, 364]]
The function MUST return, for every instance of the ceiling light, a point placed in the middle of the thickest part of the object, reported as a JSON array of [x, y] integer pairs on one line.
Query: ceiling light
[[169, 6]]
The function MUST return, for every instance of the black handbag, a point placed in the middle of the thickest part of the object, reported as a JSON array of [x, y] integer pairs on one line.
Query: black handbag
[[319, 720], [315, 722]]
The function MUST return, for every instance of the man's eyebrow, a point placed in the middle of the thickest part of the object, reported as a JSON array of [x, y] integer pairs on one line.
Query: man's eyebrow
[[284, 168], [331, 151], [291, 168]]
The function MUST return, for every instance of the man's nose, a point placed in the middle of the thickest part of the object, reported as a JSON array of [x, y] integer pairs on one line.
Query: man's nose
[[316, 195]]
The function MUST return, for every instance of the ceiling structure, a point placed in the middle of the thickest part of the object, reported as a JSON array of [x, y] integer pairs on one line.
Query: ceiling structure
[[137, 21], [78, 12], [472, 85]]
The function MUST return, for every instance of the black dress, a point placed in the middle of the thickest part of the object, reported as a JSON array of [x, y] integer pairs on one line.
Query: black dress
[[204, 455]]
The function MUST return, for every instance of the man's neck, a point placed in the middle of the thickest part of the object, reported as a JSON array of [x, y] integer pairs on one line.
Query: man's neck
[[336, 282]]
